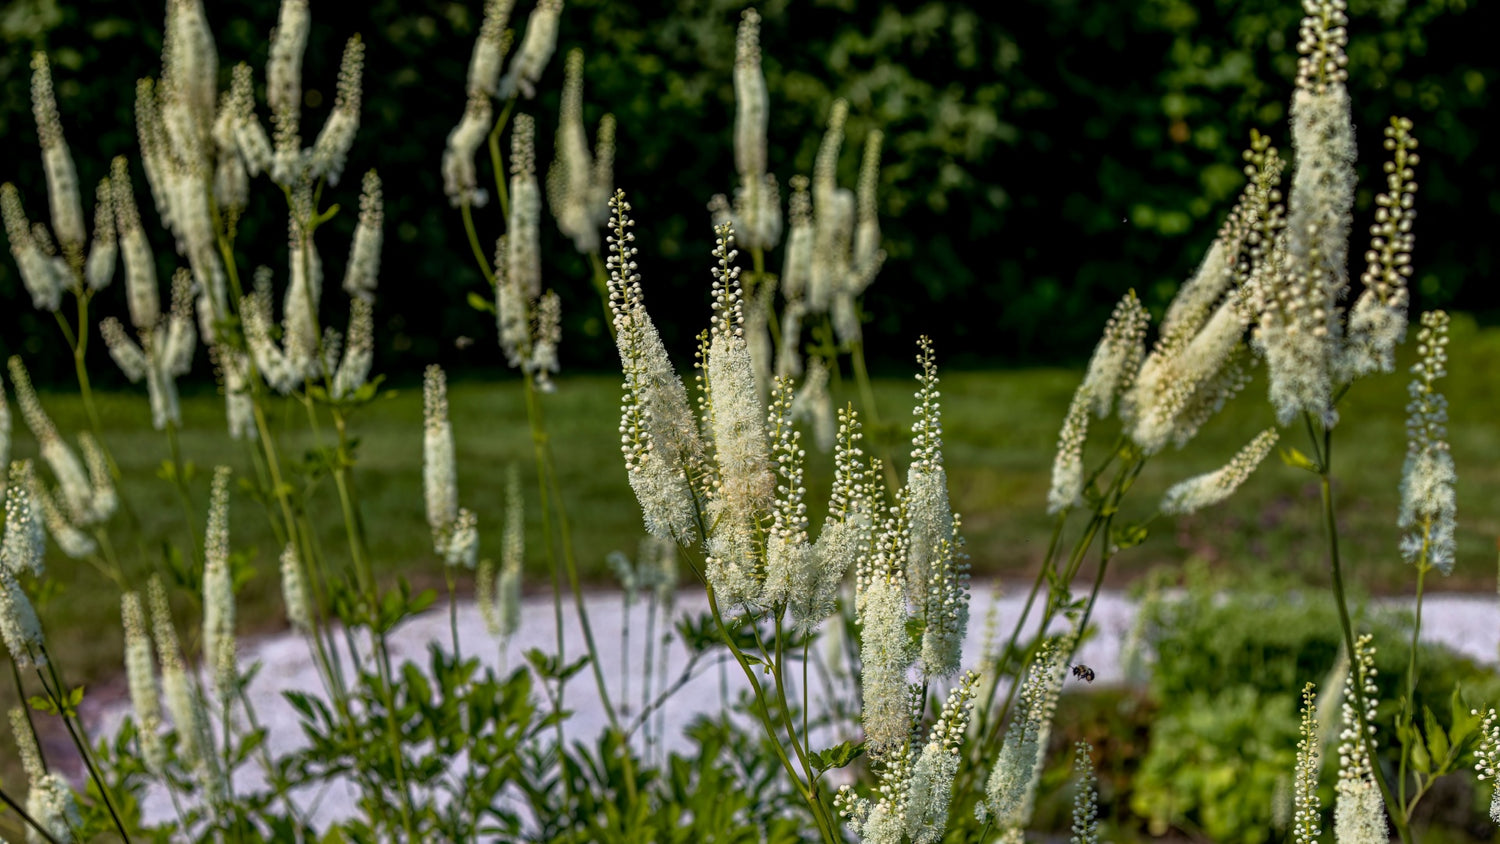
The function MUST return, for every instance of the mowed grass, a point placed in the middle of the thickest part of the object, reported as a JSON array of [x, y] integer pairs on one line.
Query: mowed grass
[[1000, 431]]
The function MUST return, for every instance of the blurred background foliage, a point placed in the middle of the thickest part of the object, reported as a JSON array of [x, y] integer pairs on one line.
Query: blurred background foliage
[[1041, 157]]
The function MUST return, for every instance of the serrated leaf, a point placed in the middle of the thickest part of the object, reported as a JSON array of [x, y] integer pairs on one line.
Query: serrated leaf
[[838, 756]]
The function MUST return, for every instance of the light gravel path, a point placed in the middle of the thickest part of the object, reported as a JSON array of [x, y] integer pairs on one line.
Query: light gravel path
[[1469, 624]]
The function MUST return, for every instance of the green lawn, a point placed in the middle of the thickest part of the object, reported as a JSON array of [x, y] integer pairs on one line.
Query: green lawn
[[1000, 431]]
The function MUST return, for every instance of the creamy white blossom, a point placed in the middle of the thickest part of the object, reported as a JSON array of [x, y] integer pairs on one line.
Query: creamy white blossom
[[658, 435], [1487, 758], [814, 404], [512, 556], [1010, 792], [332, 146], [140, 675], [1359, 809], [936, 574], [523, 225], [359, 349], [284, 87], [363, 270], [1067, 465], [1300, 330], [38, 273], [439, 471], [847, 539], [536, 48], [57, 164], [25, 541], [99, 269], [218, 591], [885, 655], [1428, 501], [490, 48], [1308, 819], [1377, 321], [460, 178], [580, 202], [1209, 489], [1117, 358], [294, 592]]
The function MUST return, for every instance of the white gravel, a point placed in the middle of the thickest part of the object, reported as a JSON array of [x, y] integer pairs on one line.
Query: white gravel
[[1467, 623]]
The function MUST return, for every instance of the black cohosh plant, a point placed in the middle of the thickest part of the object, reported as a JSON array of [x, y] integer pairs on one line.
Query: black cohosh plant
[[861, 717]]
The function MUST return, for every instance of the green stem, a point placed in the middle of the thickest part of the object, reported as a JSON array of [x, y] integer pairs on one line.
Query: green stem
[[1015, 633], [497, 161], [30, 821], [762, 711], [479, 256], [1411, 669], [601, 286], [184, 495], [56, 696], [1330, 526]]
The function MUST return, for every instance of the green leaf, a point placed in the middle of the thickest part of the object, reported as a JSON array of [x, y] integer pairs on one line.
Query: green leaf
[[480, 303], [838, 756], [1437, 740], [42, 704], [1297, 460], [1129, 536], [1420, 760]]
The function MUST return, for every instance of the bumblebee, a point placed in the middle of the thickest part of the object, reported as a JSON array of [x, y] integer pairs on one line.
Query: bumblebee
[[1084, 673]]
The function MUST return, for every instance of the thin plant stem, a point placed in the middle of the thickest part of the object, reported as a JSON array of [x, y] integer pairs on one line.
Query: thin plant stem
[[601, 286], [452, 611], [497, 161], [1330, 526], [184, 497], [1411, 667], [56, 696], [1015, 633], [762, 711], [20, 811]]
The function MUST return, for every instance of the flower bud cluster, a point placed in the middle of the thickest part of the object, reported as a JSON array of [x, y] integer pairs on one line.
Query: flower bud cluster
[[1487, 758], [1359, 808], [579, 182], [1308, 820], [455, 533], [1209, 489], [84, 486], [218, 593], [1086, 803], [21, 551], [1428, 501], [1010, 792], [1377, 322]]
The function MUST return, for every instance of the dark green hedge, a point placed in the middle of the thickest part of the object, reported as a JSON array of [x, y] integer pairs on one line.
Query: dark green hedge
[[1041, 156]]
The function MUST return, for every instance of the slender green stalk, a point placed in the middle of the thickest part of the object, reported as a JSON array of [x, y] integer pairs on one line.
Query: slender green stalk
[[1015, 633], [1409, 709], [479, 256], [184, 495], [497, 161], [55, 692], [452, 611], [601, 286], [20, 811], [762, 711], [1330, 526]]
